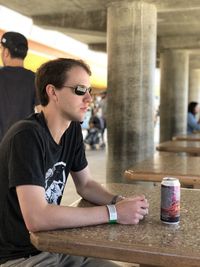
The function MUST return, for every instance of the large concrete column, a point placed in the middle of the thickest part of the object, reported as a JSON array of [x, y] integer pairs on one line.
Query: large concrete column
[[131, 33], [194, 85], [174, 93]]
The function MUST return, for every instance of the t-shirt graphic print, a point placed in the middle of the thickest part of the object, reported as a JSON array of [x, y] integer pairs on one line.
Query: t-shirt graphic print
[[55, 180]]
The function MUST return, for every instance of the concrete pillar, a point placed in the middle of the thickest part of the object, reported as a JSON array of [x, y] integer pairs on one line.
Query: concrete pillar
[[194, 85], [131, 44], [174, 66]]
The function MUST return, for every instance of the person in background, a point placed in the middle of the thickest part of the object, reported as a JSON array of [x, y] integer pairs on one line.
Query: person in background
[[93, 133], [17, 89], [36, 156], [193, 124]]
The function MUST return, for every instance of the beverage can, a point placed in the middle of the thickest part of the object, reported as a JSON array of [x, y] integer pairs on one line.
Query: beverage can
[[170, 200]]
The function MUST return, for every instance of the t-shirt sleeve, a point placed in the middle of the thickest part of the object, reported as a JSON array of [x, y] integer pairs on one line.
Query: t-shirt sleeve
[[25, 159], [80, 161]]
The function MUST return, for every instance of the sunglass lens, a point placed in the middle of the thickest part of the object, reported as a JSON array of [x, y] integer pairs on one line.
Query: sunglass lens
[[80, 90]]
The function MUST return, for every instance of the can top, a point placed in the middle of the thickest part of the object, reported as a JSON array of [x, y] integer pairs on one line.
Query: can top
[[170, 181]]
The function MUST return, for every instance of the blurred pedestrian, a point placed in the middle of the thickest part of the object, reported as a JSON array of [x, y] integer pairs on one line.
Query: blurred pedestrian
[[94, 131]]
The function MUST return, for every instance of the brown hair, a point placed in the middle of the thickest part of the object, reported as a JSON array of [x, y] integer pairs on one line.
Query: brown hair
[[55, 72]]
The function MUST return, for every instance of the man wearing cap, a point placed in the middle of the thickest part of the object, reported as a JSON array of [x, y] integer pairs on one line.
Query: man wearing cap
[[17, 89]]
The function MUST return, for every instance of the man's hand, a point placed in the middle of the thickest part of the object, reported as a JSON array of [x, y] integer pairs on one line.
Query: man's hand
[[132, 210]]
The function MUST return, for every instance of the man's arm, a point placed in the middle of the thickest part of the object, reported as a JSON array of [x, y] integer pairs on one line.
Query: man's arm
[[90, 189], [130, 210], [39, 215]]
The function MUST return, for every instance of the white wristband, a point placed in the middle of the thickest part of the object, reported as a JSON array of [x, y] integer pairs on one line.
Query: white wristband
[[112, 214]]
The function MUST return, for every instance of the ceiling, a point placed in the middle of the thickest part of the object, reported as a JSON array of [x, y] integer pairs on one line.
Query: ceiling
[[178, 21]]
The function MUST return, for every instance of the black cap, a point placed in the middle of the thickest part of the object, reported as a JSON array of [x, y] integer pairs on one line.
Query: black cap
[[15, 42]]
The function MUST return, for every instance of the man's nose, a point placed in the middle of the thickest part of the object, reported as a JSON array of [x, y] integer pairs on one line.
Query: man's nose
[[88, 96]]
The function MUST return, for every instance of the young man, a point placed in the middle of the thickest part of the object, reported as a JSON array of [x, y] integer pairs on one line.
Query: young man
[[17, 88], [36, 156]]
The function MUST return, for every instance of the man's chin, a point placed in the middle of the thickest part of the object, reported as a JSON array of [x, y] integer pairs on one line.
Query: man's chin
[[78, 119]]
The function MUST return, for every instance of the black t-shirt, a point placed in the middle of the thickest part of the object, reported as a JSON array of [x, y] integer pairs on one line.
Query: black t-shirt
[[29, 155], [18, 96]]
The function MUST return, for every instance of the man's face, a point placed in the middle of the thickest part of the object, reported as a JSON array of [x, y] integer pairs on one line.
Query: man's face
[[71, 106]]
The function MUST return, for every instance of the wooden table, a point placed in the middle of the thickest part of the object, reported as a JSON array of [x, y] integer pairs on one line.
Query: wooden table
[[190, 147], [189, 137], [163, 164], [150, 242]]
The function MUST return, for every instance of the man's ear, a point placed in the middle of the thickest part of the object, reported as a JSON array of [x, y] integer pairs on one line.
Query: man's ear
[[6, 52], [51, 92], [5, 55]]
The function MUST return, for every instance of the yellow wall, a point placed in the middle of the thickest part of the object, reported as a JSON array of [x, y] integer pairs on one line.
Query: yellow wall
[[33, 61]]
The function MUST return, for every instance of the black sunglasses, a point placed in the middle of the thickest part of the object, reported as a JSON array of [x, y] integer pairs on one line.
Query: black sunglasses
[[80, 89]]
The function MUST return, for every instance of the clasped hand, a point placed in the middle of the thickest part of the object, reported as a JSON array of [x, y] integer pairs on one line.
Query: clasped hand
[[131, 210]]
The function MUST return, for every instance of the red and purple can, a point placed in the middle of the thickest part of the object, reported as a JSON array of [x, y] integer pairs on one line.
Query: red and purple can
[[170, 200]]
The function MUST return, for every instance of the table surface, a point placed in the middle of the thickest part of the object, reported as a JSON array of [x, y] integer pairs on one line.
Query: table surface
[[163, 164], [180, 146], [149, 242], [189, 137]]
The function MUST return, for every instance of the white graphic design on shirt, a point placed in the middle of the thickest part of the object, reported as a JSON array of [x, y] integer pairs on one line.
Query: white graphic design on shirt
[[55, 180]]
